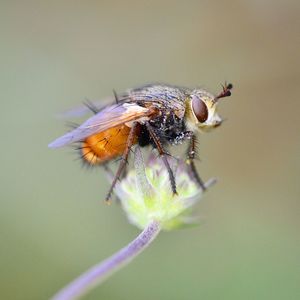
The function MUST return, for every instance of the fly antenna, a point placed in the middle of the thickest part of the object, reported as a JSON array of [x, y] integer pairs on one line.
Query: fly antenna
[[225, 93]]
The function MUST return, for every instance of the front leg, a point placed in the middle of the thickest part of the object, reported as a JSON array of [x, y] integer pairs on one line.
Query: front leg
[[190, 161]]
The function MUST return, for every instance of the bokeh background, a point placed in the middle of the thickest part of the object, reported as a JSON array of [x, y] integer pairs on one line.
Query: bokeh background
[[54, 223]]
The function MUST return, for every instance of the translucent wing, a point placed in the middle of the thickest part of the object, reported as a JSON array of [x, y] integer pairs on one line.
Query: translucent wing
[[110, 116]]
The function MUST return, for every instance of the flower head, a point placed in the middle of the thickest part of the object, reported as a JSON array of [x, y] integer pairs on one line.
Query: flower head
[[146, 195]]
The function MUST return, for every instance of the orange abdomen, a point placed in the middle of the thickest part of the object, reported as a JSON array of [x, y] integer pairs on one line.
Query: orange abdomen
[[106, 145]]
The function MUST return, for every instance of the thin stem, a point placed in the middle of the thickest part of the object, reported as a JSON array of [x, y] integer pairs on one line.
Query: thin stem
[[97, 274]]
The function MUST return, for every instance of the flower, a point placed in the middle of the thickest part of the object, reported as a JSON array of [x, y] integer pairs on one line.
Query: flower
[[145, 193], [148, 200]]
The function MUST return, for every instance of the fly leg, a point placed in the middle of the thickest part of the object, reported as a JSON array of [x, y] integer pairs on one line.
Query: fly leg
[[190, 161], [163, 156], [123, 163]]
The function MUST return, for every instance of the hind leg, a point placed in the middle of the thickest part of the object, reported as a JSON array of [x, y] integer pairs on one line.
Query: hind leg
[[124, 159]]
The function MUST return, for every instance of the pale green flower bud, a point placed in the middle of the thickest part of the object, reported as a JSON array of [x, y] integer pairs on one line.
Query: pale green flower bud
[[145, 193]]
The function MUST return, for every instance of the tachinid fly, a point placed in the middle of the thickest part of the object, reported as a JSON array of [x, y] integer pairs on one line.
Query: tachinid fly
[[154, 114]]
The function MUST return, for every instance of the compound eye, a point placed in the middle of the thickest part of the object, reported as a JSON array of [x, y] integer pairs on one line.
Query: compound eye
[[200, 109]]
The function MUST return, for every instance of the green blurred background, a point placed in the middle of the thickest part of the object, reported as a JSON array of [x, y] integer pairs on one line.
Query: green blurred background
[[53, 221]]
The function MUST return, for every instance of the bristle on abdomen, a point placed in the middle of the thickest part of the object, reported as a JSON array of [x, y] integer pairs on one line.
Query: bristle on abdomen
[[106, 145]]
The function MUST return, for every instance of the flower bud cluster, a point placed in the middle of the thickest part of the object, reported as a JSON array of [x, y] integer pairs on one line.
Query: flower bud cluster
[[146, 195]]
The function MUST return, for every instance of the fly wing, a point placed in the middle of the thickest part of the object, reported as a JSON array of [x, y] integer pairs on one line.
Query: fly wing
[[110, 116]]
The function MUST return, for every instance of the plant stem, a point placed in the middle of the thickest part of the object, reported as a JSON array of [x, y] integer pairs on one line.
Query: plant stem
[[98, 273]]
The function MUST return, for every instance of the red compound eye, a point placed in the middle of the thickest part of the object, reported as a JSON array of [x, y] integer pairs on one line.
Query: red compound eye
[[200, 109]]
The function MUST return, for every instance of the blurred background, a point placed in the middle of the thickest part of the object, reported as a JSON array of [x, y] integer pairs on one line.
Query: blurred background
[[53, 220]]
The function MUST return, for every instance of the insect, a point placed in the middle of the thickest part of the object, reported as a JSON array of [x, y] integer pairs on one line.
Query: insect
[[153, 114]]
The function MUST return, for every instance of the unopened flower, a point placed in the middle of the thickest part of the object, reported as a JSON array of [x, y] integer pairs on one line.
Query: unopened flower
[[146, 195], [147, 198]]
